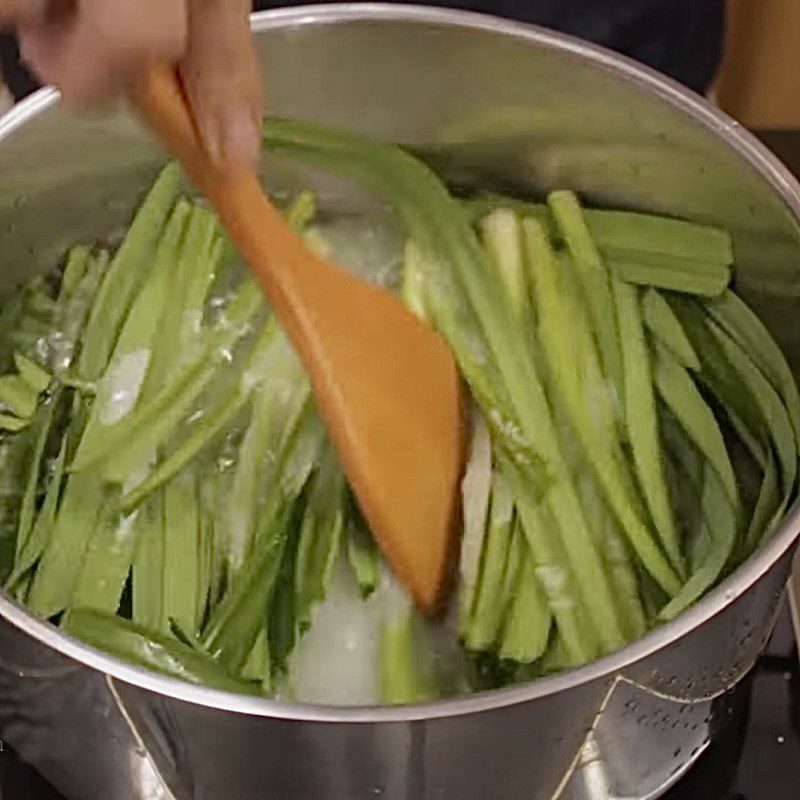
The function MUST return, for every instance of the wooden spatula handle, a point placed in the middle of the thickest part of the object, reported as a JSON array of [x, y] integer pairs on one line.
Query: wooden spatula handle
[[159, 99], [386, 386], [254, 224]]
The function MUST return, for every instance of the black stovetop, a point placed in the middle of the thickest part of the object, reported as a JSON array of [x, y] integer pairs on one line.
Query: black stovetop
[[758, 756]]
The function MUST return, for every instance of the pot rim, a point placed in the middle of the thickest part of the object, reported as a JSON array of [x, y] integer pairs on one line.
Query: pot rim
[[747, 146]]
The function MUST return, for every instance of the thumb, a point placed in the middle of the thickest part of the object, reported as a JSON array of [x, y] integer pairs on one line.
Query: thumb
[[223, 81]]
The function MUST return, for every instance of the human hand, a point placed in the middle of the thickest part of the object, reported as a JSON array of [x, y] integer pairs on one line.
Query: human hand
[[96, 49]]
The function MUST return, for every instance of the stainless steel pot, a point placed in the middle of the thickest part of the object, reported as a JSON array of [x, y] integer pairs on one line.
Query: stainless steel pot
[[491, 103]]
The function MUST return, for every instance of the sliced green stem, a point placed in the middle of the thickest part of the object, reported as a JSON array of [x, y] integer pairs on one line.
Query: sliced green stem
[[527, 624], [641, 419], [686, 275], [126, 273], [490, 600], [146, 575], [160, 653], [684, 400], [720, 518], [666, 327], [595, 280], [404, 677], [362, 553]]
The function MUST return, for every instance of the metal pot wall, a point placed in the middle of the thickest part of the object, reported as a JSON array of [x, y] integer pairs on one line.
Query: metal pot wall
[[491, 104]]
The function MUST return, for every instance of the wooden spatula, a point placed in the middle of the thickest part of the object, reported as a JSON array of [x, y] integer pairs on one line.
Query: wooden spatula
[[386, 386]]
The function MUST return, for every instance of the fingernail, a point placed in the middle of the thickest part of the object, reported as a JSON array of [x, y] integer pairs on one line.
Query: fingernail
[[239, 142]]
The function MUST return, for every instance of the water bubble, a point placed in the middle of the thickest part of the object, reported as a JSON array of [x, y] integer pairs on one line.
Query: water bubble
[[195, 416]]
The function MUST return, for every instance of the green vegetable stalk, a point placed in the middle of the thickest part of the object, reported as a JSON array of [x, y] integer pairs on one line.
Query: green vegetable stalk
[[634, 437]]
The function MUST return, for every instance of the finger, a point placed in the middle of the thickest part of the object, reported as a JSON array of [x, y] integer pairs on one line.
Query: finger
[[52, 52], [98, 51], [22, 12], [222, 81]]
